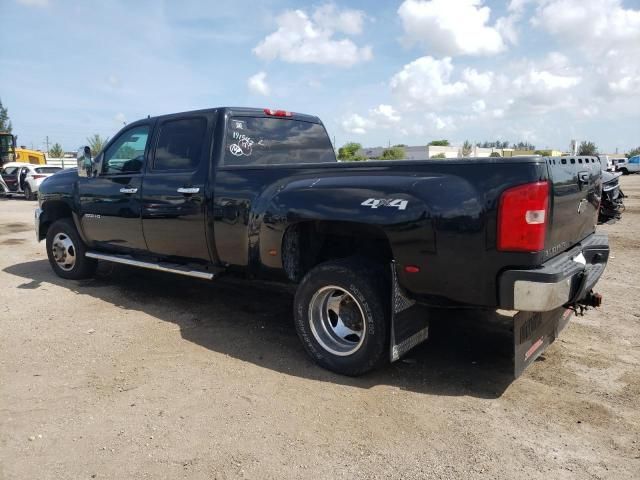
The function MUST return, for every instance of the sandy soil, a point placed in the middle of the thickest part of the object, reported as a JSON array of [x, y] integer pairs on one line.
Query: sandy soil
[[137, 374]]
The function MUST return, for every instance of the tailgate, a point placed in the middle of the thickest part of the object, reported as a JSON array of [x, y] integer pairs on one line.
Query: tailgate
[[575, 197]]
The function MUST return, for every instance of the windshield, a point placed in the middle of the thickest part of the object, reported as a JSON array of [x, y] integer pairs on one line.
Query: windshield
[[6, 142]]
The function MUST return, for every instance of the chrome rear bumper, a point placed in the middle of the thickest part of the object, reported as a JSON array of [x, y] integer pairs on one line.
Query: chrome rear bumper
[[563, 280]]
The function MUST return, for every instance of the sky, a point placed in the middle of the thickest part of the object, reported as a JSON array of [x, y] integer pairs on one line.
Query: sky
[[377, 73]]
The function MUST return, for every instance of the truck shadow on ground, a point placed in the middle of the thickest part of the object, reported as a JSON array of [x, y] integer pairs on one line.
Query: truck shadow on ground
[[465, 355]]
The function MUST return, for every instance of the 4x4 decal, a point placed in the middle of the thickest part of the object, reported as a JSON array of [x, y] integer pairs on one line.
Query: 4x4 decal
[[385, 202]]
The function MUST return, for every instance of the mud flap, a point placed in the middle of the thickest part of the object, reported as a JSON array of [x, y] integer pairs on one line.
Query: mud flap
[[533, 332], [409, 320]]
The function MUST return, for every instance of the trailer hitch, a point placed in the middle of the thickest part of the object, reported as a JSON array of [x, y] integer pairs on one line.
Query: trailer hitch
[[591, 300]]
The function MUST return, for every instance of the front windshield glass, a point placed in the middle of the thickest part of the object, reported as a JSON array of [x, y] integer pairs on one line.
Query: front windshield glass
[[5, 143]]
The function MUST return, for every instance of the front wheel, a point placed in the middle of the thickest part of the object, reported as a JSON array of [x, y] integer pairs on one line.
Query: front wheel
[[66, 251], [624, 171], [341, 316]]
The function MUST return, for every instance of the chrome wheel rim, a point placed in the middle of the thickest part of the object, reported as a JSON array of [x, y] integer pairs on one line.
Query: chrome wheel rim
[[64, 251], [337, 321]]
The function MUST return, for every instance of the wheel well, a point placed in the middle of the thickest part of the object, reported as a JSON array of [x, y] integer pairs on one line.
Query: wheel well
[[307, 244], [52, 211]]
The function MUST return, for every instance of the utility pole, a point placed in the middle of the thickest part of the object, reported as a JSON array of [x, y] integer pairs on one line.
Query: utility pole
[[47, 145]]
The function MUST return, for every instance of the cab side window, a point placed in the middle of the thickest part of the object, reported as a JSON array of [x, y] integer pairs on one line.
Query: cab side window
[[180, 144], [126, 154]]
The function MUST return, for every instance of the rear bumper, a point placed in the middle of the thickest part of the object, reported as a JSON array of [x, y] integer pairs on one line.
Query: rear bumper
[[563, 280]]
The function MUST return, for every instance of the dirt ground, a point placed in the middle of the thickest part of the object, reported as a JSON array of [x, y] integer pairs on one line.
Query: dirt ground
[[138, 374]]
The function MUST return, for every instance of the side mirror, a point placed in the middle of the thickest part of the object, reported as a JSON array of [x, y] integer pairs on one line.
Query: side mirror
[[83, 158]]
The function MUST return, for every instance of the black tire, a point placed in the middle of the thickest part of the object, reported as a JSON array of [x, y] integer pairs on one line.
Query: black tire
[[64, 230], [624, 171], [28, 194], [366, 286]]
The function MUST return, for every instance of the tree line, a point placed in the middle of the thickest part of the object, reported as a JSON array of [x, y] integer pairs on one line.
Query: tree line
[[350, 152]]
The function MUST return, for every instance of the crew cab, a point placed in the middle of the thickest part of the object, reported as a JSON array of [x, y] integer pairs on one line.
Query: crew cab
[[370, 246]]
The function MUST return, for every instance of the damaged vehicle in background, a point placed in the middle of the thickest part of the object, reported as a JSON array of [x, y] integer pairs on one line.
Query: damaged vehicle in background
[[611, 204], [370, 247]]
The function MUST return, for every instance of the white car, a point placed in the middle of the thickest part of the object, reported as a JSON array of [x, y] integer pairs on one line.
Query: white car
[[632, 165], [25, 178]]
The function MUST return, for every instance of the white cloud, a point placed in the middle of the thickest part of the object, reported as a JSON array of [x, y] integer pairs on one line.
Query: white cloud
[[518, 5], [384, 115], [425, 81], [507, 27], [459, 97], [629, 85], [557, 61], [381, 117], [440, 122], [479, 82], [357, 124], [346, 21], [479, 106], [301, 39], [258, 84], [602, 23], [544, 81], [451, 27], [608, 38]]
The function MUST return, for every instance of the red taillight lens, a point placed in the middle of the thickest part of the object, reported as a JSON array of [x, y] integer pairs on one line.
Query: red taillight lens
[[277, 113], [35, 177], [522, 217]]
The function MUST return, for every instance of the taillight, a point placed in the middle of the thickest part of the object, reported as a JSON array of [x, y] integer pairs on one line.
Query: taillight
[[36, 177], [522, 217], [277, 113]]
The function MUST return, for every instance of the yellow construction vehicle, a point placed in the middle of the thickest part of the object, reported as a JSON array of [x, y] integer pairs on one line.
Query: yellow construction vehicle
[[9, 152]]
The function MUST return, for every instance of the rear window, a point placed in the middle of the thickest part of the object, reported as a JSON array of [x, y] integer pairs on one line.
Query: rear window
[[47, 169], [276, 141], [10, 170]]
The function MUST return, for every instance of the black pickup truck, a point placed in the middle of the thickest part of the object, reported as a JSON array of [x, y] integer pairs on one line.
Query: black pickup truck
[[371, 246]]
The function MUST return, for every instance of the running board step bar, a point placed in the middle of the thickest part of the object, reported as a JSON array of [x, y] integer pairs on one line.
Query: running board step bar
[[160, 266]]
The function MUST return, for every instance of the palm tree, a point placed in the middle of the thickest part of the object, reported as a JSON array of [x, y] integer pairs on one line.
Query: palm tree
[[467, 148], [56, 151], [96, 143]]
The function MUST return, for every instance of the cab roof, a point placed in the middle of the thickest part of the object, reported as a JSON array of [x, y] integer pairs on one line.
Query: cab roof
[[242, 112]]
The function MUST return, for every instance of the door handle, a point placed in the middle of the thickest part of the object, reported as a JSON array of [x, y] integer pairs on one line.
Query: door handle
[[188, 189], [128, 190]]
